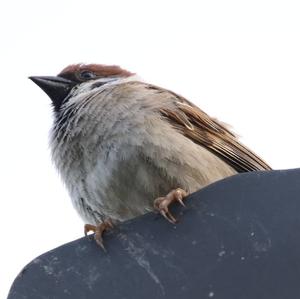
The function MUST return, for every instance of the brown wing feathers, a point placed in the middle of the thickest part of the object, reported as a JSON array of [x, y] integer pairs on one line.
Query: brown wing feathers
[[202, 129]]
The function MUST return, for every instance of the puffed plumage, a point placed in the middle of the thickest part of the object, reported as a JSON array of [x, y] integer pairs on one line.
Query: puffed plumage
[[119, 143]]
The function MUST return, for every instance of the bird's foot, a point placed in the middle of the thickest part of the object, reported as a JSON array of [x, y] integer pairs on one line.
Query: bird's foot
[[161, 204], [99, 230]]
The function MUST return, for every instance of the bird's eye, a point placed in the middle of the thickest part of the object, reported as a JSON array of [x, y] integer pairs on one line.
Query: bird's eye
[[86, 75]]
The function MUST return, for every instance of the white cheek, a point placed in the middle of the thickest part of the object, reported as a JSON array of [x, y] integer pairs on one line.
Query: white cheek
[[80, 92]]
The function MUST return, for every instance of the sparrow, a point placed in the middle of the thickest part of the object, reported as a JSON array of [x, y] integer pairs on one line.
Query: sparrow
[[124, 147]]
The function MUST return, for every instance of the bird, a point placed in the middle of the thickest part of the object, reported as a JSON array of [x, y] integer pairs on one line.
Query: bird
[[124, 147]]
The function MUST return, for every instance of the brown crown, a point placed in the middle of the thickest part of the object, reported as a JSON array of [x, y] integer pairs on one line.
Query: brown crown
[[99, 69]]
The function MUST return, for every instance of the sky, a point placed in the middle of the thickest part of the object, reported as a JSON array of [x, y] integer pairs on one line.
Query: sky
[[237, 60]]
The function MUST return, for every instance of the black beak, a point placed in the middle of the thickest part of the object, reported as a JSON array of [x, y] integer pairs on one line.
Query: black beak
[[57, 88]]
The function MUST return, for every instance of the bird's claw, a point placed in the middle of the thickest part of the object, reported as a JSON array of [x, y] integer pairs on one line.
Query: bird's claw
[[161, 204], [98, 230], [167, 215]]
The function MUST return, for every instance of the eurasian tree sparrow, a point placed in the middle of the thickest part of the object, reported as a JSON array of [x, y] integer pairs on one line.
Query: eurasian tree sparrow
[[119, 143]]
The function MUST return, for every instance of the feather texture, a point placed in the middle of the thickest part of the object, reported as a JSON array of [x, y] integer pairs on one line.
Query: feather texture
[[195, 124], [118, 143]]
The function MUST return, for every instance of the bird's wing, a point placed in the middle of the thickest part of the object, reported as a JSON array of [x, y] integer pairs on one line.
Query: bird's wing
[[196, 125]]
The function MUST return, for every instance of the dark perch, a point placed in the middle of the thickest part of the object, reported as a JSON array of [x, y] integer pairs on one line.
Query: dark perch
[[237, 238]]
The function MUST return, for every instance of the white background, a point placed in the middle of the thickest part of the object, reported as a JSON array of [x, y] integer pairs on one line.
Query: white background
[[238, 60]]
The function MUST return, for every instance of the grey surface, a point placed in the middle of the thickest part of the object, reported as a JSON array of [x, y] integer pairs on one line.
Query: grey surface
[[237, 238]]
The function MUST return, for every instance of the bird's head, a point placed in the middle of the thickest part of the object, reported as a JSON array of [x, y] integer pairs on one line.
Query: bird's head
[[58, 87]]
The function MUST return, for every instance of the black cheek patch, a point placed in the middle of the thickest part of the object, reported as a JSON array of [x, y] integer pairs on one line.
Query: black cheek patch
[[97, 84]]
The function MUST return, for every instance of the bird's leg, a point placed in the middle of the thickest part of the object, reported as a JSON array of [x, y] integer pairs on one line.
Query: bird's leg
[[99, 230], [161, 204]]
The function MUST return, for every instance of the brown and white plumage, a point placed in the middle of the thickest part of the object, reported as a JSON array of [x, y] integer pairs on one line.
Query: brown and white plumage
[[118, 142]]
